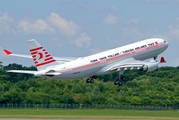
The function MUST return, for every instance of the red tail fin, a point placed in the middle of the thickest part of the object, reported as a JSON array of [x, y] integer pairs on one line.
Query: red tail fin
[[162, 60], [41, 57]]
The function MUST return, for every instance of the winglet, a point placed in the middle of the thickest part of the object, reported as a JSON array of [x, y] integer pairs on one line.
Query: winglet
[[162, 60], [7, 52]]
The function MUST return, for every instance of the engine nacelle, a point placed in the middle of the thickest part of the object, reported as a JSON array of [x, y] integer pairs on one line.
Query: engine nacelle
[[151, 66]]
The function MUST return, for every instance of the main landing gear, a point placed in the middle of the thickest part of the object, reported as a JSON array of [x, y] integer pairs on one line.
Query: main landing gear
[[118, 82], [91, 79], [121, 78]]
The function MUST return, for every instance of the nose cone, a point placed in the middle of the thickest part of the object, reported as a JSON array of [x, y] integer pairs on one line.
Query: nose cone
[[166, 43]]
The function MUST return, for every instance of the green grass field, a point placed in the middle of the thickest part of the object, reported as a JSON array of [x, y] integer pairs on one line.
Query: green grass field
[[89, 114]]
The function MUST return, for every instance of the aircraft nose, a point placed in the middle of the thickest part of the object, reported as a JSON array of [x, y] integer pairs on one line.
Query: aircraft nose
[[166, 43]]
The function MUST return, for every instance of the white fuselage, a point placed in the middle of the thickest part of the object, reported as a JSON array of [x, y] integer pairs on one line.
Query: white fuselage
[[98, 63]]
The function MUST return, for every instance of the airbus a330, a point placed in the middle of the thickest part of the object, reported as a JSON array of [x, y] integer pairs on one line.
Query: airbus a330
[[129, 57]]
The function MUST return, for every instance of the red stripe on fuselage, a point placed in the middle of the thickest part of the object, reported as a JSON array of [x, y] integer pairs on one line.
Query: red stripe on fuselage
[[112, 58]]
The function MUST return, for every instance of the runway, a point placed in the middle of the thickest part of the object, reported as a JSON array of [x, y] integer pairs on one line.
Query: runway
[[33, 119], [30, 119], [55, 119]]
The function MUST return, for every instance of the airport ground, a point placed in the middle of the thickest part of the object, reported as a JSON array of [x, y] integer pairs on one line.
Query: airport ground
[[87, 114]]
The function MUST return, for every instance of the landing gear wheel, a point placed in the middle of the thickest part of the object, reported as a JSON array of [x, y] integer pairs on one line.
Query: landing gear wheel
[[91, 81], [95, 77], [123, 78], [120, 80], [88, 80], [116, 82], [119, 83]]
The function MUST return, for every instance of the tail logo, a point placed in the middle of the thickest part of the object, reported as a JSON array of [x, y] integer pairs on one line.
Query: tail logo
[[41, 56]]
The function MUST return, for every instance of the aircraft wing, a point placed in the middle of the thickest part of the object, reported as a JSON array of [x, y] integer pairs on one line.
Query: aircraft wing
[[125, 65], [131, 64], [60, 59]]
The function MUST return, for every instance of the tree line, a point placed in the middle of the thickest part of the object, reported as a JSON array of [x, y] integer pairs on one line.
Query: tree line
[[157, 88]]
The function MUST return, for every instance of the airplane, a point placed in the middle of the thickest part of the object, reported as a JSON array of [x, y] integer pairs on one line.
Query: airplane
[[140, 55]]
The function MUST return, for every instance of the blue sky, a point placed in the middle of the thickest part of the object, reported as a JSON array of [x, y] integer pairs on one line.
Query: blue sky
[[74, 28]]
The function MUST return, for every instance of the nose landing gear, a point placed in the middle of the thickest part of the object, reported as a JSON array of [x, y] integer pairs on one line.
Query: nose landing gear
[[91, 79]]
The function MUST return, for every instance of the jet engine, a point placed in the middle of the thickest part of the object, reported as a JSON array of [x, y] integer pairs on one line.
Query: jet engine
[[150, 66]]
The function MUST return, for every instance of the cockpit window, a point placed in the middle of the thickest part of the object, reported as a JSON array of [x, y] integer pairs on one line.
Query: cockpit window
[[164, 41]]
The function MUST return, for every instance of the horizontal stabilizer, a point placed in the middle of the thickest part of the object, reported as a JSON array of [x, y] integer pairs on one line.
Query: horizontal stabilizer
[[22, 71], [59, 59], [7, 52]]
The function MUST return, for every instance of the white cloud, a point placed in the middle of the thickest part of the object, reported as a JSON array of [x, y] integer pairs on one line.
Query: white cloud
[[110, 19], [83, 40], [5, 18], [64, 26], [39, 26], [52, 24], [5, 24]]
